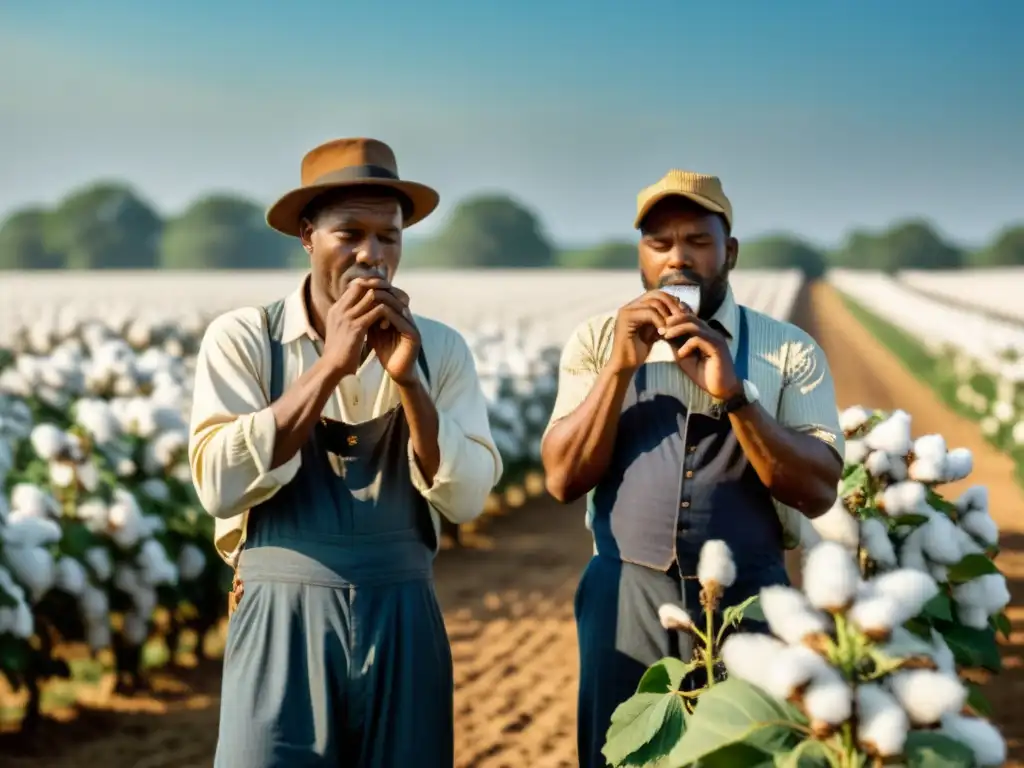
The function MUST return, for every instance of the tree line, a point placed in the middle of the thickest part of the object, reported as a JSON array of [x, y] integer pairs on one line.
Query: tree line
[[109, 226]]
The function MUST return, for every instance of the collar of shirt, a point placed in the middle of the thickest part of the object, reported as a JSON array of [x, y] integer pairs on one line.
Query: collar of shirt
[[296, 316], [726, 320]]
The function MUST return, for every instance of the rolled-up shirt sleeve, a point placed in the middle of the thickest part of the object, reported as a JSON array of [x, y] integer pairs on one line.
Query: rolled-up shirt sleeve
[[470, 465], [232, 429], [808, 401], [579, 366]]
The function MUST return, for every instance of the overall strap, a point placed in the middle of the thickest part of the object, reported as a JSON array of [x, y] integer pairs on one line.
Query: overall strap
[[421, 358], [274, 315], [742, 362]]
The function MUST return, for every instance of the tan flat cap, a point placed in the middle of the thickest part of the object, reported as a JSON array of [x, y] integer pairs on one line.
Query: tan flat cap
[[703, 189]]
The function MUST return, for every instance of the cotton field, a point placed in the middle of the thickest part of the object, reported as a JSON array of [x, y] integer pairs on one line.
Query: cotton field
[[978, 360], [998, 290]]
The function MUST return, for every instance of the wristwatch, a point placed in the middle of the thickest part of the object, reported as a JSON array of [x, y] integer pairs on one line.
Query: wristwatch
[[745, 397]]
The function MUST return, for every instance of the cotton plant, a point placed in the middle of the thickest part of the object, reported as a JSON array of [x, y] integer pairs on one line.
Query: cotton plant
[[645, 726], [838, 681], [890, 512]]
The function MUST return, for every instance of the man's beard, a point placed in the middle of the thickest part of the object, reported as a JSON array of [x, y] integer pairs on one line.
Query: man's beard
[[712, 292]]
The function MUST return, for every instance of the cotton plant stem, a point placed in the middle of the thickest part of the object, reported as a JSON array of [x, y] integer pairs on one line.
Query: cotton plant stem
[[709, 647]]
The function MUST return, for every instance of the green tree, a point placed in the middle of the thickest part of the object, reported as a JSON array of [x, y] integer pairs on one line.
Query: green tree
[[224, 232], [104, 226], [487, 231], [23, 241], [910, 244], [610, 255], [782, 252], [1007, 250]]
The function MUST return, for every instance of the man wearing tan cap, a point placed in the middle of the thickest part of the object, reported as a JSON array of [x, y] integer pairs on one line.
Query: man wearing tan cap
[[330, 431], [681, 427]]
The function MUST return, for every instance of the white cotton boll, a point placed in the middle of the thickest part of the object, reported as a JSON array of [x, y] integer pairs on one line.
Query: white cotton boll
[[930, 447], [875, 540], [891, 435], [98, 635], [790, 615], [883, 723], [14, 383], [979, 735], [98, 558], [1004, 411], [62, 474], [24, 624], [986, 593], [875, 615], [156, 489], [794, 668], [163, 452], [125, 468], [94, 605], [32, 500], [126, 579], [972, 616], [837, 525], [88, 476], [152, 525], [95, 514], [830, 577], [880, 463], [145, 600], [856, 451], [829, 700], [70, 575], [927, 695], [940, 541], [973, 499], [904, 498], [809, 536], [927, 470], [959, 464], [671, 616], [912, 552], [853, 418], [48, 441], [910, 589], [751, 657], [942, 655], [939, 572], [125, 519], [33, 567], [192, 563], [96, 417], [26, 531], [716, 565], [182, 473], [135, 629], [981, 526]]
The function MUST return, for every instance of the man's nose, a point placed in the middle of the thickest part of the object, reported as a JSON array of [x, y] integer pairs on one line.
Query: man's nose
[[370, 251], [678, 257]]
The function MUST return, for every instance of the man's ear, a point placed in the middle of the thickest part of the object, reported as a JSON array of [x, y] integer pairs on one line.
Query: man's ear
[[732, 252], [306, 234]]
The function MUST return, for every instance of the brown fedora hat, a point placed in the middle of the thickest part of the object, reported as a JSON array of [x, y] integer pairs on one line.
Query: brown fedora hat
[[348, 163]]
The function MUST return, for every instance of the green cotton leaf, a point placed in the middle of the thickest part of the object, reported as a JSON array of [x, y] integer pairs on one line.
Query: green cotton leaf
[[665, 676], [935, 501], [749, 609], [939, 607], [735, 712], [928, 749], [971, 567], [892, 659], [1001, 623], [912, 521], [973, 647], [976, 700], [807, 754], [652, 720], [856, 479]]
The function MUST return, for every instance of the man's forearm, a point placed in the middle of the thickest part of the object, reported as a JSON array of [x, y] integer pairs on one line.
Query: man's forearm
[[421, 414], [299, 408], [577, 450], [800, 471]]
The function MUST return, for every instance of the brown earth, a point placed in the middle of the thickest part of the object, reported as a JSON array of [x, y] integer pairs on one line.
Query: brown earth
[[508, 608]]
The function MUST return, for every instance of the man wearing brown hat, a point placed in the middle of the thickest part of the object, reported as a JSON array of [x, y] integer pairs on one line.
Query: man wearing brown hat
[[330, 431], [681, 427]]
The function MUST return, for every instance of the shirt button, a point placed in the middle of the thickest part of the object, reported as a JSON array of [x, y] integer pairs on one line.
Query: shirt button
[[689, 473], [685, 505]]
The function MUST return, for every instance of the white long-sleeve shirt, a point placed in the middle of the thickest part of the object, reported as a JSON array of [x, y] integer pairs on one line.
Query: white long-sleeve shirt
[[232, 429]]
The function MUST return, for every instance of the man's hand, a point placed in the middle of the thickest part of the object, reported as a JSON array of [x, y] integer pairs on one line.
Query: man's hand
[[395, 339], [704, 356], [638, 325], [365, 305]]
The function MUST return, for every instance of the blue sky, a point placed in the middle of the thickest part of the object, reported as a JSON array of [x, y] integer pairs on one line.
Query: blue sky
[[819, 115]]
